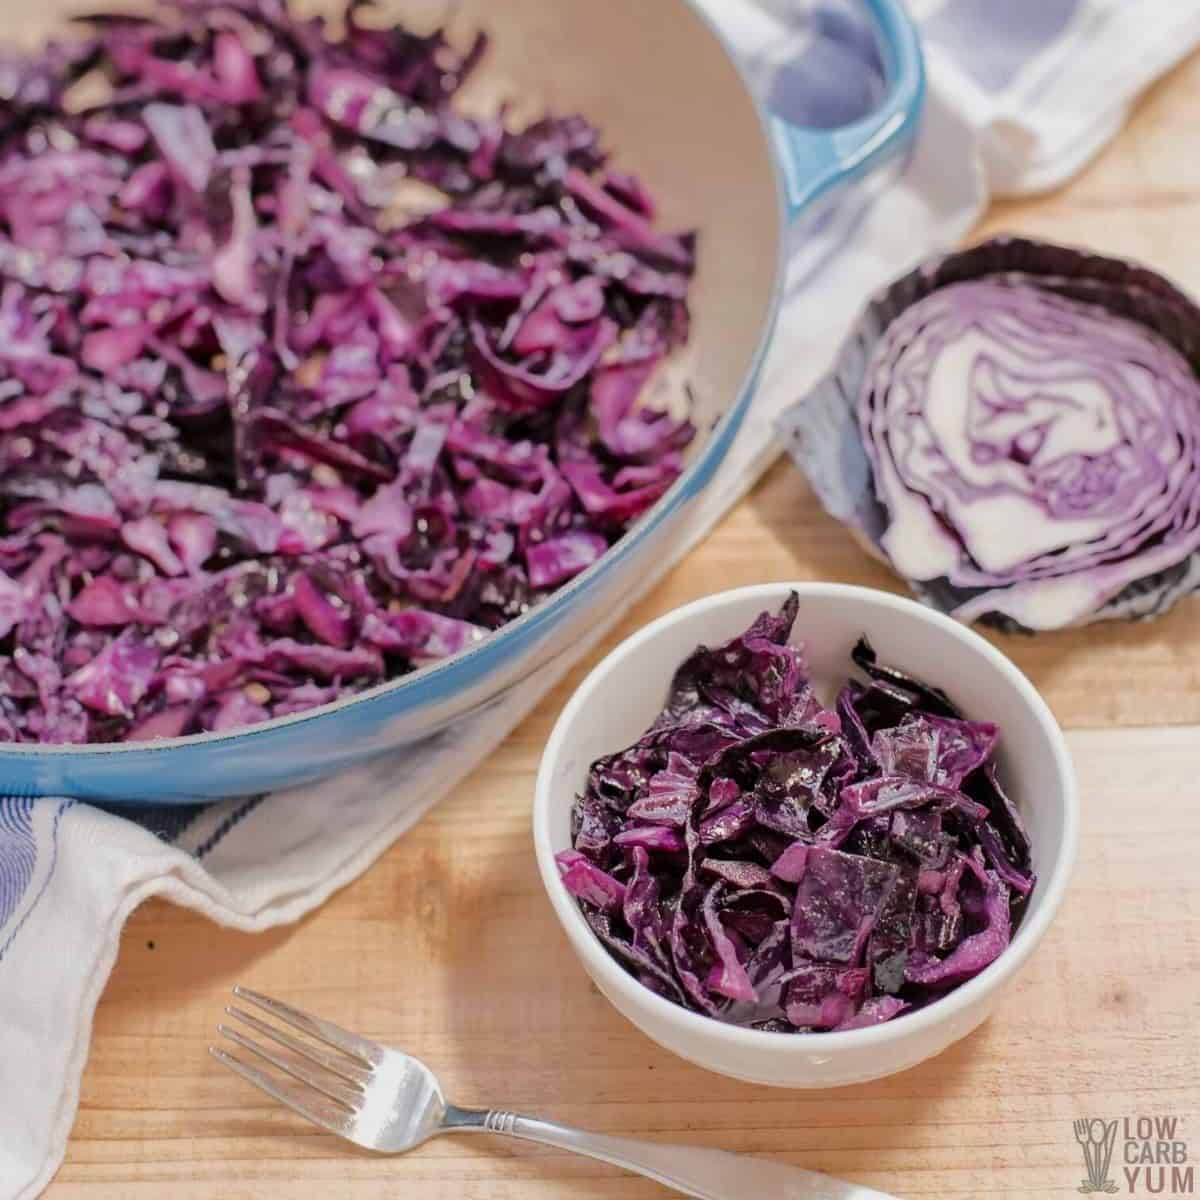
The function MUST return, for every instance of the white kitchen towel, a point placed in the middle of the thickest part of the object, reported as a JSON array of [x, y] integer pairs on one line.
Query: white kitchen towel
[[1022, 92]]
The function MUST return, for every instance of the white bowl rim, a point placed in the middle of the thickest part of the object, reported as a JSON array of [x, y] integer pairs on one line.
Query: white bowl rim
[[1053, 883]]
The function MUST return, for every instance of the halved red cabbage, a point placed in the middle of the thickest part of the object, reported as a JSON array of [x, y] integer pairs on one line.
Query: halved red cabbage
[[788, 867], [1032, 450], [1015, 428], [268, 437]]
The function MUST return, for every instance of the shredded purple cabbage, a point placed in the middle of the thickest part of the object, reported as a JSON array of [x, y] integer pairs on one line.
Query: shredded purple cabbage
[[268, 437], [772, 863]]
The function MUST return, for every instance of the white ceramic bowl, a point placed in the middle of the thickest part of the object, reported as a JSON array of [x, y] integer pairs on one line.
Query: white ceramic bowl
[[622, 695]]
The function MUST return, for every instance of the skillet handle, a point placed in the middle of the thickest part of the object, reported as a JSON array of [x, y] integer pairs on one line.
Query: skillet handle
[[813, 161]]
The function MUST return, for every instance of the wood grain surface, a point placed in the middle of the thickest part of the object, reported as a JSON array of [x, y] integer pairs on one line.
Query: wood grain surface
[[447, 947]]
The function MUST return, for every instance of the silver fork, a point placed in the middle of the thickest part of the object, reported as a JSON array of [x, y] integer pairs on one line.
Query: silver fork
[[384, 1100]]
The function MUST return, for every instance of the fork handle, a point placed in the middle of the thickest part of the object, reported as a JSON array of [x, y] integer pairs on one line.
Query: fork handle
[[693, 1170]]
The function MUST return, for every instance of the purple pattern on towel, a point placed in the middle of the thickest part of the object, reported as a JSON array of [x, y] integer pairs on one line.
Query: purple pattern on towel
[[992, 40], [838, 77]]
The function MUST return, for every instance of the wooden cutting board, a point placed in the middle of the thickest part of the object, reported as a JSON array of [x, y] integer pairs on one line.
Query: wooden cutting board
[[448, 948]]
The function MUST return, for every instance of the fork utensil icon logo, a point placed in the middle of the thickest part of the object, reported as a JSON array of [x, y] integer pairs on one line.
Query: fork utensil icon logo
[[1096, 1138]]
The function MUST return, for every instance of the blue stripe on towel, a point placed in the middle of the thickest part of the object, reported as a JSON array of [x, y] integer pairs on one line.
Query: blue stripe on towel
[[9, 804], [18, 853], [168, 822], [241, 810]]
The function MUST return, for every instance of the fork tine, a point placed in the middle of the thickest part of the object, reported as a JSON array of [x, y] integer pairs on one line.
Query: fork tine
[[333, 1035], [299, 1099], [317, 1078], [339, 1064]]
